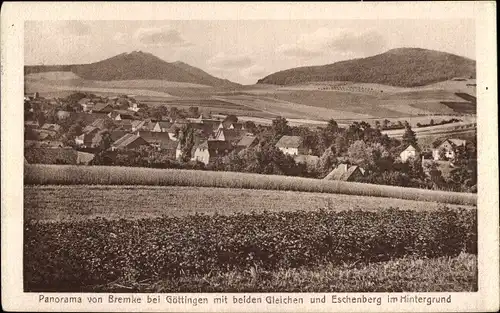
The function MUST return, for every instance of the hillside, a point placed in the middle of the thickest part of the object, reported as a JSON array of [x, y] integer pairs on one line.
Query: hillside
[[136, 65], [404, 67]]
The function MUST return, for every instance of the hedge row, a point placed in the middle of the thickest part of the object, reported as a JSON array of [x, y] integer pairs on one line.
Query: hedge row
[[67, 256]]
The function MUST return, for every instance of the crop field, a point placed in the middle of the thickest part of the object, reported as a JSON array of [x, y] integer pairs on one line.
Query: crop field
[[111, 175], [376, 105], [70, 203], [80, 255], [289, 108], [45, 88], [86, 229]]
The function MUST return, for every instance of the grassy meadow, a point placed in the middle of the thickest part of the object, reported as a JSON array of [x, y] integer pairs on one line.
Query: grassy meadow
[[112, 175]]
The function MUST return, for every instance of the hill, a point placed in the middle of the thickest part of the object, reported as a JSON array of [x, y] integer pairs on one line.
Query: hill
[[135, 65], [404, 67]]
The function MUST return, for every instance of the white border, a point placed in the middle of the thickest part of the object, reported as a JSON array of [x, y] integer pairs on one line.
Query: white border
[[13, 16]]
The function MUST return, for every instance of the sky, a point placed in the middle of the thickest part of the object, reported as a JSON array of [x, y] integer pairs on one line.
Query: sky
[[242, 51]]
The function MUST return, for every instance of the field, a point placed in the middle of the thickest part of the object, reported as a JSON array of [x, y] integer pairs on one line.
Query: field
[[69, 203], [110, 175], [87, 229], [314, 102], [94, 254]]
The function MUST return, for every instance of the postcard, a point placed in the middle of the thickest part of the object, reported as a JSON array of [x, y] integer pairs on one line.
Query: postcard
[[249, 157]]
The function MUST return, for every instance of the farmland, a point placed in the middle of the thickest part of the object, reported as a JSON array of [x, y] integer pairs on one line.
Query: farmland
[[108, 175], [312, 101], [67, 203], [101, 251]]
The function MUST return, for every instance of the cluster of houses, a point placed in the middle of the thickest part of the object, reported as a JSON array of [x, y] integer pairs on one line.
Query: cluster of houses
[[444, 151], [113, 124]]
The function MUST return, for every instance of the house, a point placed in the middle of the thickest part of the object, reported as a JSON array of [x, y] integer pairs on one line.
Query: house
[[31, 124], [410, 152], [172, 131], [230, 125], [448, 146], [117, 134], [161, 141], [119, 115], [162, 126], [84, 157], [40, 134], [51, 127], [86, 104], [102, 107], [291, 145], [87, 118], [133, 107], [210, 149], [62, 115], [100, 123], [129, 141], [93, 138], [125, 125], [345, 172], [309, 160], [247, 141], [230, 135], [136, 125], [213, 124]]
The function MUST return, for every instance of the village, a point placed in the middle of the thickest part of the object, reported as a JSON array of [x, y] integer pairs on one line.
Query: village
[[95, 130]]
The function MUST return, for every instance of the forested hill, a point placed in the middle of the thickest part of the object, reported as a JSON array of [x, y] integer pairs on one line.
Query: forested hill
[[405, 67], [135, 66]]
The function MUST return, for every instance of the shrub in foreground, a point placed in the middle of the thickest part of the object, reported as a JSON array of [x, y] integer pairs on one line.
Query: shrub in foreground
[[409, 274], [71, 255]]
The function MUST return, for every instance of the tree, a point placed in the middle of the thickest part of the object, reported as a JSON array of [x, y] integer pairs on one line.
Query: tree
[[326, 162], [194, 111], [75, 130], [231, 118], [106, 140], [186, 140], [280, 127], [174, 113], [358, 153], [340, 145], [250, 126], [409, 137], [109, 124], [332, 126]]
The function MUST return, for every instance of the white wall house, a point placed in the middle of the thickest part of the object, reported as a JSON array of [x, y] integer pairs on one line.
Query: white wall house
[[291, 145], [409, 152]]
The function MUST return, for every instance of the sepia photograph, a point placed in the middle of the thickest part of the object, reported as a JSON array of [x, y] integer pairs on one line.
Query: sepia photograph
[[265, 158]]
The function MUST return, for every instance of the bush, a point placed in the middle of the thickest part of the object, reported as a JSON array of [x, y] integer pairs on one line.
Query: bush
[[66, 256]]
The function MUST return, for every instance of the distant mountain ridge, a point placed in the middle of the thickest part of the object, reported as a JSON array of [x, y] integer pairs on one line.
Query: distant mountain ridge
[[403, 67], [135, 65]]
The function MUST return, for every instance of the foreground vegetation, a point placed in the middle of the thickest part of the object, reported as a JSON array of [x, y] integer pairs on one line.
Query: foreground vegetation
[[444, 274], [70, 256], [109, 175]]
